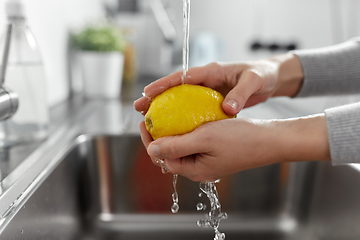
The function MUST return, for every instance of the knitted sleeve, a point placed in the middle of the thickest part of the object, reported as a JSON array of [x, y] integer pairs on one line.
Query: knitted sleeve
[[336, 70], [331, 70], [344, 133]]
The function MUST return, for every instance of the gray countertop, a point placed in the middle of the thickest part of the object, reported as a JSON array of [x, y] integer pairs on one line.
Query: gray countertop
[[23, 167], [118, 112]]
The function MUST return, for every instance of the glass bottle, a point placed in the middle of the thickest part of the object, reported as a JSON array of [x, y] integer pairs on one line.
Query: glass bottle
[[25, 76]]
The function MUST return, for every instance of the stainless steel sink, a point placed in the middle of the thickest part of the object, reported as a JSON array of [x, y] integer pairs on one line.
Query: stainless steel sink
[[92, 180], [105, 187], [124, 194]]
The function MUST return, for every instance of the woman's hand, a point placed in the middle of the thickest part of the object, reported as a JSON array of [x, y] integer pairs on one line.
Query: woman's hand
[[220, 148], [242, 85], [224, 147], [215, 149]]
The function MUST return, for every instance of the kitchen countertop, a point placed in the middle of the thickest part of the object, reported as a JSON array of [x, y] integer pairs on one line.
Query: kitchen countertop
[[10, 158]]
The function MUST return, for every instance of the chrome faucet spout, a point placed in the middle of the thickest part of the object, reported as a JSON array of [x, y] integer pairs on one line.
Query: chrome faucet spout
[[9, 101], [6, 54], [163, 20]]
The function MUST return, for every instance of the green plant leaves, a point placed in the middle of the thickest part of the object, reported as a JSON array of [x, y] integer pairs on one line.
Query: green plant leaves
[[102, 38]]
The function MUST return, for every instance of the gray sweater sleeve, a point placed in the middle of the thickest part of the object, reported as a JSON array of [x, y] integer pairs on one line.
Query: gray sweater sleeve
[[336, 70]]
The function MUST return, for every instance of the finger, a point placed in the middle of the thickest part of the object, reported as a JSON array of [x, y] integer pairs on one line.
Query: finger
[[145, 135], [160, 85], [198, 76], [147, 139], [236, 99], [190, 167], [175, 147], [185, 167], [142, 105], [211, 75], [255, 99], [208, 75]]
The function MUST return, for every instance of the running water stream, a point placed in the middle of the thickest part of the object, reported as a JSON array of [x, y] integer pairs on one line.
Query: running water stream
[[175, 196], [186, 24], [215, 215], [186, 29]]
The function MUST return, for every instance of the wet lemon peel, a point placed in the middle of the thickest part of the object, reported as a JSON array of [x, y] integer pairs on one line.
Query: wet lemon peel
[[183, 108]]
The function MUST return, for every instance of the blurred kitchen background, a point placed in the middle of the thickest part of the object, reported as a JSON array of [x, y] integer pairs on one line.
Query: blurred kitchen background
[[220, 30], [72, 185]]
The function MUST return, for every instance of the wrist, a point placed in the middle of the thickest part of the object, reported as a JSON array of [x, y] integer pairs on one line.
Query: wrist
[[290, 75], [303, 139]]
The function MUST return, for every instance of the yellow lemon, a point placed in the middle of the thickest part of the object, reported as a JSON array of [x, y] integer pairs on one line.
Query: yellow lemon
[[183, 108]]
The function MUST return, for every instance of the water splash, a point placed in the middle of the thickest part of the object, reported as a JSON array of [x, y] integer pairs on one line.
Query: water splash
[[200, 206], [215, 214]]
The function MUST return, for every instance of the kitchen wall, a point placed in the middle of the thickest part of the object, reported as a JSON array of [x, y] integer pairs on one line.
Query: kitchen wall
[[51, 21], [309, 23]]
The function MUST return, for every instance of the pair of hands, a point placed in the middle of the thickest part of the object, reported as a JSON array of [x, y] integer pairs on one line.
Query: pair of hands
[[224, 147]]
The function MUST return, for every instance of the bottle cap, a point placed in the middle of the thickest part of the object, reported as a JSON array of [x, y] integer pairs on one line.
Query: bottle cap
[[14, 8]]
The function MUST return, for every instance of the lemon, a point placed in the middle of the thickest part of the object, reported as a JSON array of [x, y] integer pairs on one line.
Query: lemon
[[183, 108]]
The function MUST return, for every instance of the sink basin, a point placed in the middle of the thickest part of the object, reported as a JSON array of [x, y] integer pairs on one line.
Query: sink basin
[[124, 193], [105, 187]]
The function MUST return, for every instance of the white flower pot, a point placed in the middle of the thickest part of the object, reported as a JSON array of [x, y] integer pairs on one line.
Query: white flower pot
[[102, 73]]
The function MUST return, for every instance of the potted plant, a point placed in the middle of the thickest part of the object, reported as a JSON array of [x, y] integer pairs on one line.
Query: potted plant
[[101, 54]]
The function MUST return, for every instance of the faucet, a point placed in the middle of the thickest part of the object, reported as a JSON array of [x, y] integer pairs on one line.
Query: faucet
[[163, 20], [155, 56], [163, 51], [9, 101]]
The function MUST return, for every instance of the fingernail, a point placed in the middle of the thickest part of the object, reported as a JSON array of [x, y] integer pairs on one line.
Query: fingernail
[[233, 104], [154, 150]]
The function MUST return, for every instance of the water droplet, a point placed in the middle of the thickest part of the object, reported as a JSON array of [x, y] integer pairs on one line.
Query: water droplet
[[202, 223], [199, 206], [175, 197], [22, 231], [219, 235], [200, 194], [175, 208], [164, 169]]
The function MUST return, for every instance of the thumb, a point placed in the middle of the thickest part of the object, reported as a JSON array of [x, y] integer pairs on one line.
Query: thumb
[[235, 100], [180, 154], [176, 147]]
